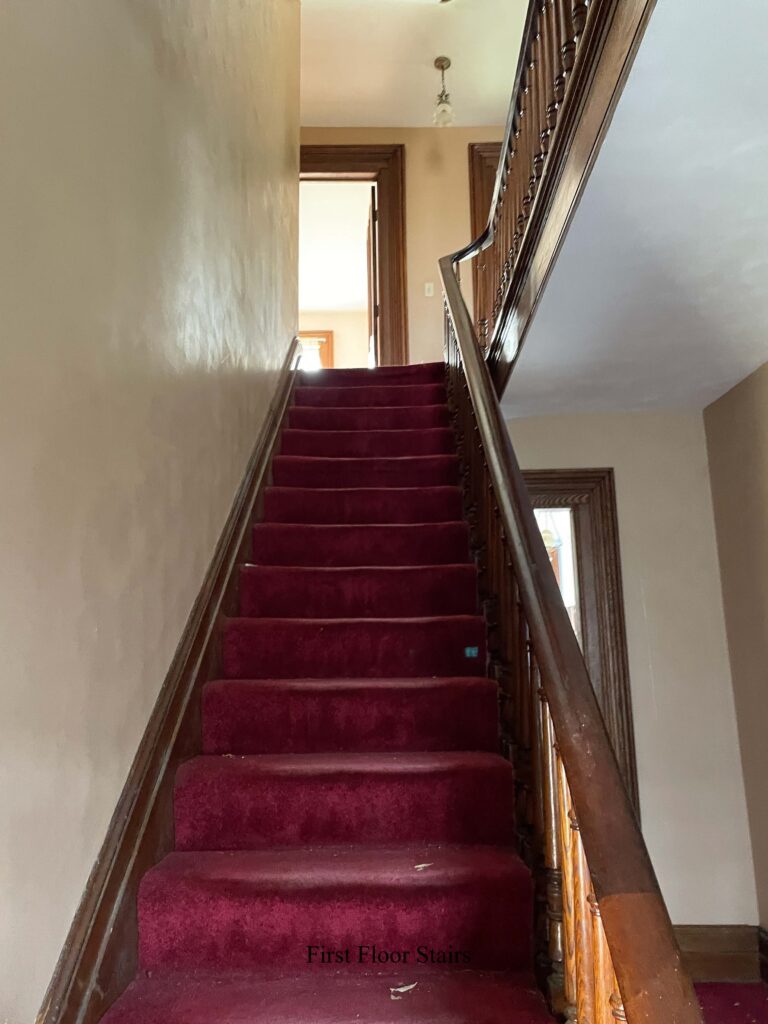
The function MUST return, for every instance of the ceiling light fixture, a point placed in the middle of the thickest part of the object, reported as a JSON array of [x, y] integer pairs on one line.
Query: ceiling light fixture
[[444, 115]]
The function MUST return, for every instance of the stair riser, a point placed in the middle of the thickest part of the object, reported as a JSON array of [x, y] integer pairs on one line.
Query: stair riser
[[433, 544], [367, 443], [373, 395], [424, 373], [361, 506], [365, 649], [422, 417], [242, 717], [427, 471], [239, 805], [290, 592], [244, 929]]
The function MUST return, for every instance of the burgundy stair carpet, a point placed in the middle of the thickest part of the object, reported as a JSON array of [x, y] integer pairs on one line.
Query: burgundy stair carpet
[[344, 842], [734, 1004]]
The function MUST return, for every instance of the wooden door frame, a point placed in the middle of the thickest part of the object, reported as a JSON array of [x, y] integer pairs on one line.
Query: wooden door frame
[[591, 495], [386, 166]]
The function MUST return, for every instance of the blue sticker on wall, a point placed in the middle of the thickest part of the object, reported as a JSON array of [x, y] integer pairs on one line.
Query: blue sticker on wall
[[471, 652]]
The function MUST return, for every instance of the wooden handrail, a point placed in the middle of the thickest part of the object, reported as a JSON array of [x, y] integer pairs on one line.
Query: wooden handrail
[[565, 737], [574, 60]]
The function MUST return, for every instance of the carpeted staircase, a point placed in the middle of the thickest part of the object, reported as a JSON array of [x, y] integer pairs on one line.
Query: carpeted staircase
[[350, 792]]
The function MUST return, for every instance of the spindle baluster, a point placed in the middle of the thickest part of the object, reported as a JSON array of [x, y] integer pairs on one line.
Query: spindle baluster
[[552, 855], [568, 885], [585, 978], [580, 15]]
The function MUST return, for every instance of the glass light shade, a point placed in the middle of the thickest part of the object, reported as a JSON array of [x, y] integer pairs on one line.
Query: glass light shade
[[444, 115]]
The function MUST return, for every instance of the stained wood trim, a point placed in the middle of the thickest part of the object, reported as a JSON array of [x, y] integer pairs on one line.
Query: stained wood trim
[[614, 31], [99, 957], [591, 494], [386, 166], [652, 981], [483, 160], [720, 952], [762, 946]]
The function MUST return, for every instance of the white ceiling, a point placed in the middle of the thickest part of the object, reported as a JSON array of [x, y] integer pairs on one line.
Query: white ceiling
[[333, 229], [660, 296], [370, 62]]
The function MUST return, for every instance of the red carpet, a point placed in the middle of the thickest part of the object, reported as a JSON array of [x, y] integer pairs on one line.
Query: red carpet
[[344, 843], [734, 1004]]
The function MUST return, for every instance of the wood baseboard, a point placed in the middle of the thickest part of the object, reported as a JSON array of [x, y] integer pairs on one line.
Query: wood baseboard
[[99, 957], [720, 952]]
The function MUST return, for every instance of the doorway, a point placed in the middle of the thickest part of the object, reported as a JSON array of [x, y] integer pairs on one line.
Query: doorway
[[577, 516], [337, 274], [381, 169]]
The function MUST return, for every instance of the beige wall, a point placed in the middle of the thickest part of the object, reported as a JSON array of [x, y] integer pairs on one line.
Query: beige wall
[[737, 440], [437, 211], [350, 333], [691, 788], [148, 197]]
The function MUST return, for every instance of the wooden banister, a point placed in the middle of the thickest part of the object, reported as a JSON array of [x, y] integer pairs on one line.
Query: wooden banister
[[574, 60], [608, 951]]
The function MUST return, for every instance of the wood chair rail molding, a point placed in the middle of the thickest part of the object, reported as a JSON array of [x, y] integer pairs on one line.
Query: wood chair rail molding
[[607, 949], [386, 166], [591, 496], [574, 61], [99, 957]]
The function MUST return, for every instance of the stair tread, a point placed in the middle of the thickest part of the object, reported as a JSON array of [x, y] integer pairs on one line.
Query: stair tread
[[366, 685], [338, 591], [408, 620], [257, 801], [296, 869], [336, 997], [353, 396], [316, 764], [370, 471], [397, 460], [449, 490], [255, 716], [366, 545], [359, 443], [260, 909], [381, 417], [300, 504], [339, 376], [383, 527]]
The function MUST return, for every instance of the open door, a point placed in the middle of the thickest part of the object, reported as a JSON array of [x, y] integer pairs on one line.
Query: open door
[[374, 352]]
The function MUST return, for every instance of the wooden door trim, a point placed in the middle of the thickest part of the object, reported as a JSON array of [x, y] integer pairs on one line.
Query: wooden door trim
[[591, 494], [386, 166]]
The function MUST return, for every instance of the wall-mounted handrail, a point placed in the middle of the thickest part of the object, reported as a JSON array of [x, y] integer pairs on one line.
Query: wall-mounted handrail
[[574, 59], [611, 951]]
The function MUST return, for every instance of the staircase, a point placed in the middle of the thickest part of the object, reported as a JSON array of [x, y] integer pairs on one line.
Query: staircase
[[345, 842]]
